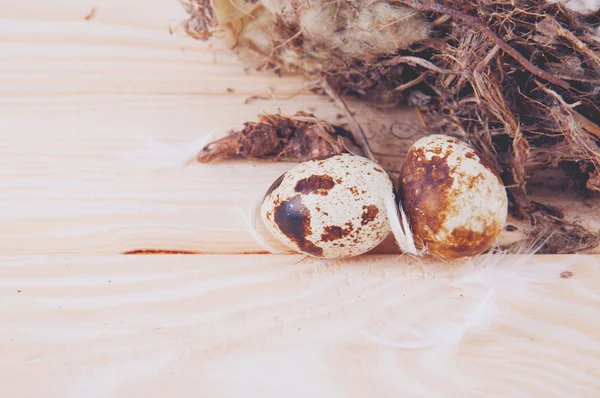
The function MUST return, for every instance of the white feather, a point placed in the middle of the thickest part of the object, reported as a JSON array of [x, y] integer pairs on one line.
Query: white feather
[[154, 154], [402, 232], [249, 218], [449, 334], [505, 275], [510, 271]]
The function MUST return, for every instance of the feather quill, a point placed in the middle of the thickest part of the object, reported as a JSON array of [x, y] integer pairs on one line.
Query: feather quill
[[449, 334], [510, 270], [401, 230], [249, 217]]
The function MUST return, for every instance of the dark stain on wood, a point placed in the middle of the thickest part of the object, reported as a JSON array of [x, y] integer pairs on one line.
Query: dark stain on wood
[[566, 274], [90, 14], [179, 252], [160, 251]]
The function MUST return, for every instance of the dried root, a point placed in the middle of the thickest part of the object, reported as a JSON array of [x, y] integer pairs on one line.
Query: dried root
[[560, 235], [281, 138]]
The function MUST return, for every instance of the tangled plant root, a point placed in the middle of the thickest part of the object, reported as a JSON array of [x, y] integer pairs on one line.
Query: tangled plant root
[[282, 138]]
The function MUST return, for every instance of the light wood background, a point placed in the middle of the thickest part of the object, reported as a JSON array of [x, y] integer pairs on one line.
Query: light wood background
[[99, 114]]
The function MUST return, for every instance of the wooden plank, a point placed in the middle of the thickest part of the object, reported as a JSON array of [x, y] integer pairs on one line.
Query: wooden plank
[[271, 326], [98, 120], [99, 114]]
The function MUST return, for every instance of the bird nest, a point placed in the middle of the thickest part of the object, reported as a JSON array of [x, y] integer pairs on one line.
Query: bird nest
[[518, 80]]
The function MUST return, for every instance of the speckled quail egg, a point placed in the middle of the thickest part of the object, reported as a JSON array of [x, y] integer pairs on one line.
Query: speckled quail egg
[[455, 201], [331, 208]]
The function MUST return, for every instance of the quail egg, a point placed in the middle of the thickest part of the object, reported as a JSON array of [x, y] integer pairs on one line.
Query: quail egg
[[330, 208], [455, 200]]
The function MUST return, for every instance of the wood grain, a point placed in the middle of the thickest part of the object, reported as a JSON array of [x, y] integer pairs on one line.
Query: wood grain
[[99, 118], [100, 113], [271, 326]]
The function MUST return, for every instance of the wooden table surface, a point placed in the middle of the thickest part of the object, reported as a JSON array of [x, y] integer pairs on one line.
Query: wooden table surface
[[102, 105]]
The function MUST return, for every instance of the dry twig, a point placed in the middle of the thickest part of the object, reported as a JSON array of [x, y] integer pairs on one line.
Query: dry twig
[[411, 83], [550, 27], [415, 61], [355, 128]]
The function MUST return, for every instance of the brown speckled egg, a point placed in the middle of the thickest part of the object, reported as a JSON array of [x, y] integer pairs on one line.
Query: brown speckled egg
[[455, 201], [332, 208]]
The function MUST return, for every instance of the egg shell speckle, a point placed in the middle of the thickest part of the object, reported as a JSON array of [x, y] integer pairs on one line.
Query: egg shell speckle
[[455, 201], [331, 208]]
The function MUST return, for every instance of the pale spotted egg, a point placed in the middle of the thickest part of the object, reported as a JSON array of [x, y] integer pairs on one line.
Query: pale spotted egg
[[331, 208]]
